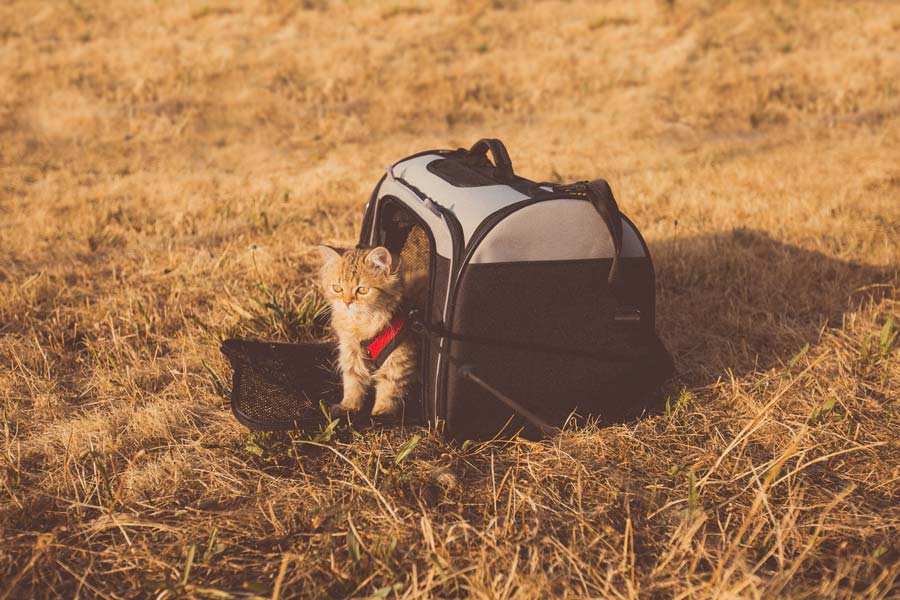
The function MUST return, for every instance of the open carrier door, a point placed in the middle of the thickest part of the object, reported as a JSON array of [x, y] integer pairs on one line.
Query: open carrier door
[[280, 386]]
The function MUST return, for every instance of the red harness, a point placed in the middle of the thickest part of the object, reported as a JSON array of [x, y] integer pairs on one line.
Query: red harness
[[381, 346]]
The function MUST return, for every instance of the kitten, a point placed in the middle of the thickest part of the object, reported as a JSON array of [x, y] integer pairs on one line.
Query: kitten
[[365, 289]]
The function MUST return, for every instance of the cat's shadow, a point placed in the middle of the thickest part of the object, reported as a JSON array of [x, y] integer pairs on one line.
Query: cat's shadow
[[742, 301]]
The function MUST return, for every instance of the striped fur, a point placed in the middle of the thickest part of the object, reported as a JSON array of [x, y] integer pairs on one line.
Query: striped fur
[[364, 287]]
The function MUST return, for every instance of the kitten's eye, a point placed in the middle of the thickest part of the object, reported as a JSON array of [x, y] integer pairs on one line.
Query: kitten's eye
[[362, 291], [338, 289]]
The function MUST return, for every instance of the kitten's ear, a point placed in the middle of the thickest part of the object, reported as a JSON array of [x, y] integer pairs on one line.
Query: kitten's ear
[[380, 258], [328, 253]]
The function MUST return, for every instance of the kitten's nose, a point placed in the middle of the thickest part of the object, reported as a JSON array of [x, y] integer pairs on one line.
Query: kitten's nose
[[348, 300]]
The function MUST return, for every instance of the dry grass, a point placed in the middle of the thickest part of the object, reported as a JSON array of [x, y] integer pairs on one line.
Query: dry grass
[[164, 167]]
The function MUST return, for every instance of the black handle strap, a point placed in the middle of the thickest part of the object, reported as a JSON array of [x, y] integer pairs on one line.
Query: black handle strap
[[498, 151]]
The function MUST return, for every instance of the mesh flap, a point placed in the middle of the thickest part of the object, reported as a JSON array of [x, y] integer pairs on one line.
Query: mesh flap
[[279, 386]]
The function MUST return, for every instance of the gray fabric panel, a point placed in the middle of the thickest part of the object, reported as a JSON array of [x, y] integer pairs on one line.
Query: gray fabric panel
[[470, 205], [631, 242], [553, 230]]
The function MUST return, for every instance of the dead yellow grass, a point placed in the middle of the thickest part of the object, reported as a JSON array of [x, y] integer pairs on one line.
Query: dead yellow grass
[[160, 162]]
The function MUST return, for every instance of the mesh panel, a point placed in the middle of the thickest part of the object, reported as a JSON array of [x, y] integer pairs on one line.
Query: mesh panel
[[416, 253], [279, 386], [402, 234], [416, 260]]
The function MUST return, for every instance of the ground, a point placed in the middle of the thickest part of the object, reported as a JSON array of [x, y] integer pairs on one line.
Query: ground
[[165, 168]]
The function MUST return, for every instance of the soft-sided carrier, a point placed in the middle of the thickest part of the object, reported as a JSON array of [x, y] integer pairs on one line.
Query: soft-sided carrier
[[539, 307]]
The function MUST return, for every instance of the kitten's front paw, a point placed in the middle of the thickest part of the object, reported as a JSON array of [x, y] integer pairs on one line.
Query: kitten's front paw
[[386, 410], [338, 411]]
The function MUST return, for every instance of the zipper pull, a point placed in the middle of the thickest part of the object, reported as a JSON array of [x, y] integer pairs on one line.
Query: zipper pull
[[579, 187]]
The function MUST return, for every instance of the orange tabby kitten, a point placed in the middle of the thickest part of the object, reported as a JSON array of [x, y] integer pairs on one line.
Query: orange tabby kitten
[[365, 289]]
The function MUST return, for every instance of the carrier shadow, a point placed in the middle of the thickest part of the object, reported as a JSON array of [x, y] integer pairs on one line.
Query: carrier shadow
[[744, 301]]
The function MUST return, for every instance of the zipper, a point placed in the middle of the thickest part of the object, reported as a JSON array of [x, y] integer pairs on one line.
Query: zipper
[[456, 237]]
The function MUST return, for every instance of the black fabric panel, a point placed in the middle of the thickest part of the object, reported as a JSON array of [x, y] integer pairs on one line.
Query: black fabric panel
[[459, 174], [565, 304], [369, 216], [552, 386], [464, 173], [441, 268]]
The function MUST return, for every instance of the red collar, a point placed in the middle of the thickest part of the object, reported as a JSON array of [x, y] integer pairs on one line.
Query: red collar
[[381, 346]]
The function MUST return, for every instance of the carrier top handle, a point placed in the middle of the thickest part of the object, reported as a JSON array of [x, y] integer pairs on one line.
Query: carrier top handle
[[602, 197], [498, 151]]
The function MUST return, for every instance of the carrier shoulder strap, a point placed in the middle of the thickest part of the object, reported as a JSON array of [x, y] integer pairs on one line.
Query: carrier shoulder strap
[[602, 197]]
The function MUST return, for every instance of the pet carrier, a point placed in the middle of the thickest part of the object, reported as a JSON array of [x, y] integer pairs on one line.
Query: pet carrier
[[539, 305]]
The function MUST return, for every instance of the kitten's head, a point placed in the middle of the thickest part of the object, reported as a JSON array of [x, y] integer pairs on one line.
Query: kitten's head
[[362, 283]]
